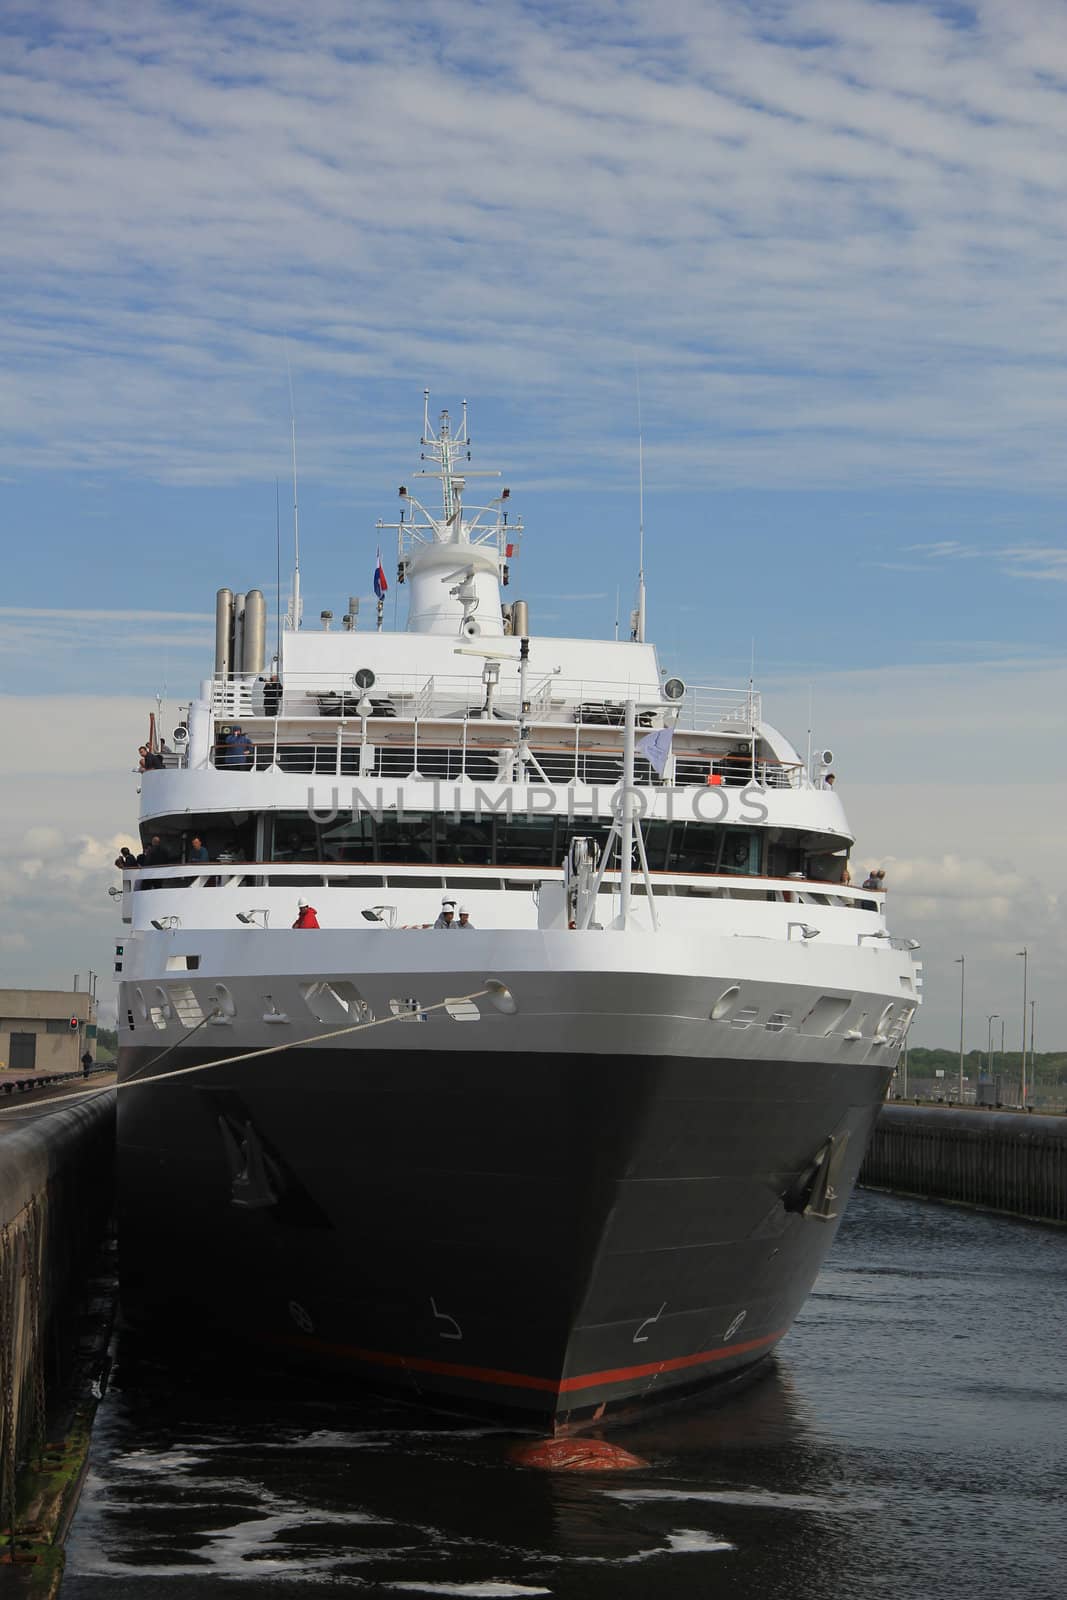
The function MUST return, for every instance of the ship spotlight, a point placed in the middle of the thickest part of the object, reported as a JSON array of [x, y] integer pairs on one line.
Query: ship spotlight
[[251, 918], [166, 924], [372, 914], [113, 892], [501, 997], [806, 931], [386, 914]]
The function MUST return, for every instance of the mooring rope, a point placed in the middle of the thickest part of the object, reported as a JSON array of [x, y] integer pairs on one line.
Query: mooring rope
[[243, 1055]]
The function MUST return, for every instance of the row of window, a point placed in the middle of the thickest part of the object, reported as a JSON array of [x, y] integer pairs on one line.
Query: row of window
[[437, 839]]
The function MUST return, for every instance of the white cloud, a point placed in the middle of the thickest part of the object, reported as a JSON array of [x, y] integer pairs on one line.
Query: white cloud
[[1043, 563], [814, 231]]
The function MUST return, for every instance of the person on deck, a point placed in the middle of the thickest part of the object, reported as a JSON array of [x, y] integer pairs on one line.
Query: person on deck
[[272, 696], [197, 851], [464, 918], [306, 916], [448, 911], [239, 755]]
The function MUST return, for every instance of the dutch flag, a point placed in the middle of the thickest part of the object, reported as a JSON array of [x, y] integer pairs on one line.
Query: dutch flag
[[380, 585]]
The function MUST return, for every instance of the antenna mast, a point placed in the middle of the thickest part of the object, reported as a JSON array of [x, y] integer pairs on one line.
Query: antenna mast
[[278, 568], [637, 619], [296, 605]]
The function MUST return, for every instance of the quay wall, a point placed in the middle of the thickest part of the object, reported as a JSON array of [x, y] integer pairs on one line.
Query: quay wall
[[995, 1160], [56, 1189]]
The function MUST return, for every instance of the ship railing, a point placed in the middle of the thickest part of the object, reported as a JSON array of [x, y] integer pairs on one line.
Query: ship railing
[[482, 761], [452, 696], [514, 874]]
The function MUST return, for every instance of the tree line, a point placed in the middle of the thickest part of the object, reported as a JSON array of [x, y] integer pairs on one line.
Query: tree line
[[1049, 1067]]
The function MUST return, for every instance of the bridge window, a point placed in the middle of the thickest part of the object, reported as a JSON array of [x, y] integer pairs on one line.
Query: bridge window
[[347, 839], [296, 837], [425, 838]]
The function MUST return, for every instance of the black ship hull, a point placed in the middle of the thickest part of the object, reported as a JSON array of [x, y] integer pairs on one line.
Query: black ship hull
[[558, 1236]]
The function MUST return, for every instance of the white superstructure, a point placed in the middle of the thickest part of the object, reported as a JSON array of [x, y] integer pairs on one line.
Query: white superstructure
[[465, 758]]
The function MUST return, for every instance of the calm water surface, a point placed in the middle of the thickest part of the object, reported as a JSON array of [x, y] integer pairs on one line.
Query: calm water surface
[[909, 1441]]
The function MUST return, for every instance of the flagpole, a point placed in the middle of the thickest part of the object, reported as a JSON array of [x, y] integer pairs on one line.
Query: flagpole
[[380, 587]]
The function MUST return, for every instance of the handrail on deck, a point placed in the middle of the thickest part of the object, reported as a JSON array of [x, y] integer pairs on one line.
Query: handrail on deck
[[793, 890], [452, 695], [478, 762]]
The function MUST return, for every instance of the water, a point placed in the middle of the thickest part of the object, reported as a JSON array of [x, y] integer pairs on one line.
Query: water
[[909, 1442]]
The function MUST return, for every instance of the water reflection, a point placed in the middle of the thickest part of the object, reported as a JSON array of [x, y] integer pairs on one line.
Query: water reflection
[[897, 1446]]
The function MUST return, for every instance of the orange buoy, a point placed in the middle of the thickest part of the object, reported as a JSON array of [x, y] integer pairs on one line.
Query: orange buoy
[[574, 1455]]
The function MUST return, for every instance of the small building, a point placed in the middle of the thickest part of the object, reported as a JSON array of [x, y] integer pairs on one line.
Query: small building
[[46, 1030]]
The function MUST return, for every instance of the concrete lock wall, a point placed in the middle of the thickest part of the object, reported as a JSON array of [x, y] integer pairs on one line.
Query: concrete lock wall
[[998, 1161], [56, 1181]]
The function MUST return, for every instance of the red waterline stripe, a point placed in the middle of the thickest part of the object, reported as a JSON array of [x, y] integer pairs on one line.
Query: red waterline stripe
[[522, 1380], [622, 1374]]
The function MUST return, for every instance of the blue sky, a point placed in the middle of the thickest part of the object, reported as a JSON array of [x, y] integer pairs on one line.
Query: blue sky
[[828, 235]]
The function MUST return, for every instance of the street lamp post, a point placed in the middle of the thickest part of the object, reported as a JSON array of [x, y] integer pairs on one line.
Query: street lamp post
[[961, 962], [994, 1016], [1022, 1063], [1033, 1058]]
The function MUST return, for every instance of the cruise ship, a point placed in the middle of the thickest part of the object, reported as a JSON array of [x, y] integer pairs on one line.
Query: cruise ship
[[549, 1103]]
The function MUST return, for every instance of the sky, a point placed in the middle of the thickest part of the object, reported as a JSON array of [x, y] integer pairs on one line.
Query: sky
[[817, 247]]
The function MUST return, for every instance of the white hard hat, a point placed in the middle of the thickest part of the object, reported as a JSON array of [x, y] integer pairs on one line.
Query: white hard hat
[[463, 911], [302, 905], [447, 902]]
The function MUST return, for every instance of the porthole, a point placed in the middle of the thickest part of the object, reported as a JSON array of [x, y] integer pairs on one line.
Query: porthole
[[724, 1005], [162, 999], [141, 1003]]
